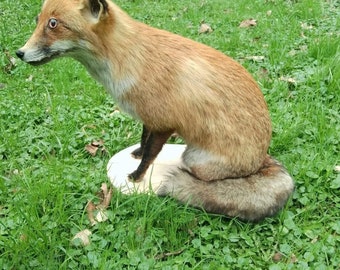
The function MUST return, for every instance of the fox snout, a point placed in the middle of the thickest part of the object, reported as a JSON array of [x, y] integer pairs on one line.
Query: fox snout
[[38, 55], [20, 54], [34, 56]]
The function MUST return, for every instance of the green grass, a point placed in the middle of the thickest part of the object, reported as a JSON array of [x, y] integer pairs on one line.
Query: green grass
[[48, 114]]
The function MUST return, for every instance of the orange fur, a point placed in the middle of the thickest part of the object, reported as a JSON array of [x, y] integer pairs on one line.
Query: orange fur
[[170, 83]]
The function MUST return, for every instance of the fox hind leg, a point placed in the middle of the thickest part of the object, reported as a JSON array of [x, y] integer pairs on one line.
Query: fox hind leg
[[209, 167]]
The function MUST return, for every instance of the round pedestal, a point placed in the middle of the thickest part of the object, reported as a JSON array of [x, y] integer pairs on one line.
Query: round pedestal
[[122, 163]]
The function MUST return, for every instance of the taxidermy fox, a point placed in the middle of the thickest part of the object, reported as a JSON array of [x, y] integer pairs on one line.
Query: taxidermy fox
[[173, 84]]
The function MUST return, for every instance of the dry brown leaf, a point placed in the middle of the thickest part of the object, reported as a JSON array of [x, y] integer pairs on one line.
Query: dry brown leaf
[[83, 236], [248, 23], [98, 143], [277, 257], [96, 213], [90, 208], [96, 146], [106, 196], [91, 149], [205, 29]]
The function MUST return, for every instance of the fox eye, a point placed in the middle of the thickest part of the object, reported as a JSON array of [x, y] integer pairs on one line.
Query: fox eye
[[52, 23]]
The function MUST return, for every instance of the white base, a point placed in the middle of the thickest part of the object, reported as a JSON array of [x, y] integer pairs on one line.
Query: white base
[[122, 164]]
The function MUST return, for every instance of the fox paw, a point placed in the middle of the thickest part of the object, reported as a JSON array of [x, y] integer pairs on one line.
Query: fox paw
[[135, 177], [137, 154]]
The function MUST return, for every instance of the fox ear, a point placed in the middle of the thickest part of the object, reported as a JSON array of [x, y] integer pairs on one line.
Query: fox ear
[[98, 8]]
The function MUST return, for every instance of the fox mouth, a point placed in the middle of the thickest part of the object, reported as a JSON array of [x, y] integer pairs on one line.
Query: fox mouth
[[43, 60], [47, 55], [41, 56]]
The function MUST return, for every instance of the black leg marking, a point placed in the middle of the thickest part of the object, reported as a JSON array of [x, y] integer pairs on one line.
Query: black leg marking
[[138, 153], [152, 147]]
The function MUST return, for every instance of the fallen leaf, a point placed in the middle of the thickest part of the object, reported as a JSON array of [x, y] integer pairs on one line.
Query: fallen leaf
[[106, 196], [91, 149], [191, 233], [101, 215], [263, 73], [293, 258], [115, 112], [306, 26], [11, 62], [30, 78], [96, 213], [337, 168], [248, 23], [277, 257], [98, 143], [314, 240], [302, 48], [288, 79], [205, 29], [255, 58], [90, 208], [23, 237], [2, 85], [83, 237], [269, 13], [96, 146], [168, 254]]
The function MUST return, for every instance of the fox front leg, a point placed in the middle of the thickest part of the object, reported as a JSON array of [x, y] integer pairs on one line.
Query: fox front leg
[[138, 153], [152, 146]]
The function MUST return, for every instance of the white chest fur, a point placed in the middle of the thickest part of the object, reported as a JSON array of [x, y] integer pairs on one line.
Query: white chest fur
[[102, 71]]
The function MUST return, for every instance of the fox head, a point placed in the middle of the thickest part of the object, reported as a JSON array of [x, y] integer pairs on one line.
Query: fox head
[[65, 28]]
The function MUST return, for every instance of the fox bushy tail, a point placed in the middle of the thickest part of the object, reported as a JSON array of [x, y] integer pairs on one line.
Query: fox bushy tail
[[250, 198]]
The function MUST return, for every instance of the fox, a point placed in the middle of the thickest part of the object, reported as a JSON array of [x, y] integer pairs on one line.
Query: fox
[[173, 84]]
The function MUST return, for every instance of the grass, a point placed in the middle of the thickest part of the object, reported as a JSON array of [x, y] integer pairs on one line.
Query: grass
[[48, 114]]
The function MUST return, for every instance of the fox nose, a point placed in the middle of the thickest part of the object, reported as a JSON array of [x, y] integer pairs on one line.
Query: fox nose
[[20, 54]]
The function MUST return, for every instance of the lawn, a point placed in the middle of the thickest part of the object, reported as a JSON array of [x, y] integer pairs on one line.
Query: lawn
[[48, 115]]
